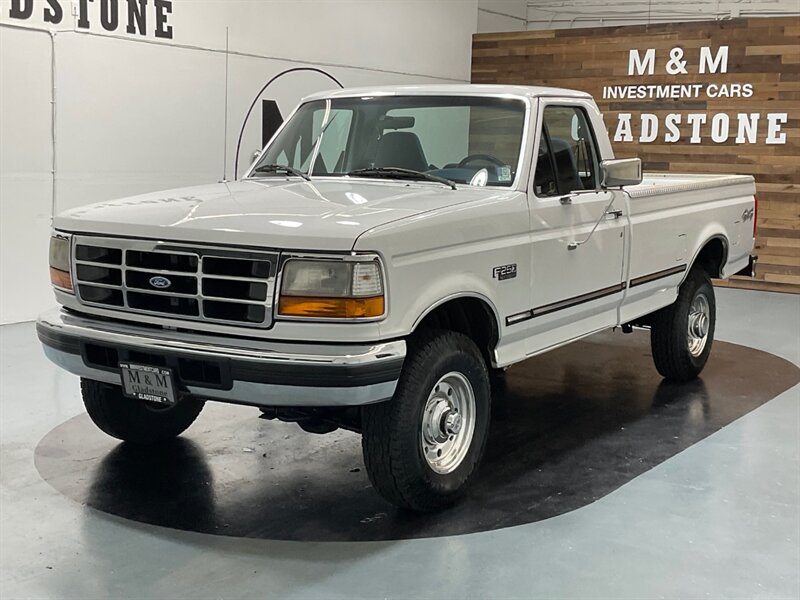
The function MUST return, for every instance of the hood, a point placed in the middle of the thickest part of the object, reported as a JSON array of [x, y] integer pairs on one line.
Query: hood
[[316, 215]]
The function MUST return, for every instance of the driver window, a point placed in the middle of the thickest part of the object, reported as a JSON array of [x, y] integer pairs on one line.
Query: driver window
[[570, 144]]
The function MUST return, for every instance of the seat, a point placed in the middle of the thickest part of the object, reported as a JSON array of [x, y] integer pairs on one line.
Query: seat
[[544, 177], [400, 149], [566, 168]]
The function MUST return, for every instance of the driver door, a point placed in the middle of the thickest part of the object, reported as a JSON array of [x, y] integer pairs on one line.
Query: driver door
[[578, 231]]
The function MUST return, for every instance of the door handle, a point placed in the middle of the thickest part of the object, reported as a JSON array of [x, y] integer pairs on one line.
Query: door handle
[[614, 213]]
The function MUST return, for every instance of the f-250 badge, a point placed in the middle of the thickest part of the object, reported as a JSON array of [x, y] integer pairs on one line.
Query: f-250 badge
[[504, 272]]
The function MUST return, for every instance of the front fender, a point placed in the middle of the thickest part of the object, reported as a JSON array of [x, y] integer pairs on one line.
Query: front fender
[[455, 252], [455, 296]]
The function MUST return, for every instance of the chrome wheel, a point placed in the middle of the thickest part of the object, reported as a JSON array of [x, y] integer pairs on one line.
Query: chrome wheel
[[699, 324], [448, 423]]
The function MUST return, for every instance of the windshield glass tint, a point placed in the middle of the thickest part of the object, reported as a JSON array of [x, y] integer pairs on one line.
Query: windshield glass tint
[[466, 139]]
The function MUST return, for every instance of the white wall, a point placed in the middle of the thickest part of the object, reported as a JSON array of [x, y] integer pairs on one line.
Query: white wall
[[566, 14], [502, 15], [138, 113]]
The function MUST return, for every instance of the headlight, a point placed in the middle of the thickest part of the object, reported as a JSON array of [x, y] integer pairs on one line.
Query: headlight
[[331, 289], [60, 262]]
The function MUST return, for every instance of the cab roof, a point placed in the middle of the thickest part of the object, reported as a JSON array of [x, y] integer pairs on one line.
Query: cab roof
[[514, 91]]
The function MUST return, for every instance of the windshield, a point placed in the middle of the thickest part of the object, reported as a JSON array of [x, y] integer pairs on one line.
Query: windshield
[[470, 140]]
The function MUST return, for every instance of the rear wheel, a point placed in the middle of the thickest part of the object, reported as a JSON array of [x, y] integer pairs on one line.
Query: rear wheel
[[136, 421], [422, 447], [682, 333]]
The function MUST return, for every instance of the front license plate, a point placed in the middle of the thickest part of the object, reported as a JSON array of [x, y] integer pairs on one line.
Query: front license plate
[[154, 384]]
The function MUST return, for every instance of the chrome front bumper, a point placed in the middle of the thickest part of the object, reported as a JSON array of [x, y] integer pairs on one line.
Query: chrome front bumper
[[236, 370]]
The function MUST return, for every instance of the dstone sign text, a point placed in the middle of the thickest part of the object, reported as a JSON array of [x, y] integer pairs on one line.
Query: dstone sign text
[[136, 17]]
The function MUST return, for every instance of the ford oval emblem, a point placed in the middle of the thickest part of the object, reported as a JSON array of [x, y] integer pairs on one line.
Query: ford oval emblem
[[159, 282]]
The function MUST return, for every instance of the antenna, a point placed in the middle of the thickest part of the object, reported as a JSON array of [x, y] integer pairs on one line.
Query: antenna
[[225, 126]]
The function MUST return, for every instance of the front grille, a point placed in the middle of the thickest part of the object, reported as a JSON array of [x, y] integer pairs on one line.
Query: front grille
[[214, 284]]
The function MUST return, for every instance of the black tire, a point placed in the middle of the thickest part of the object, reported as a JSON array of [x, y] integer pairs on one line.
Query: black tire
[[136, 421], [669, 333], [392, 431]]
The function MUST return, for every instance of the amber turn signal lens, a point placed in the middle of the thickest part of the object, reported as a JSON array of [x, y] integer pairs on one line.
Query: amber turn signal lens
[[337, 308], [60, 278]]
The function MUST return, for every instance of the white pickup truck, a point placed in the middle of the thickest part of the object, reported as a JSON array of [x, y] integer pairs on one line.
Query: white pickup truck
[[387, 252]]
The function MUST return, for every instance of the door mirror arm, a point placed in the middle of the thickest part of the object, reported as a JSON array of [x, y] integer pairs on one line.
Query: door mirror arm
[[567, 199], [573, 245]]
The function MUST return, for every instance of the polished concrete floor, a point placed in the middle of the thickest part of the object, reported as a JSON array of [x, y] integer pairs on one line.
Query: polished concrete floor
[[689, 493]]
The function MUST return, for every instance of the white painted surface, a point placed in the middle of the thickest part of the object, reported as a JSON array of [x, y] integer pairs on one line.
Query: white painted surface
[[25, 181], [502, 15], [289, 212], [136, 114]]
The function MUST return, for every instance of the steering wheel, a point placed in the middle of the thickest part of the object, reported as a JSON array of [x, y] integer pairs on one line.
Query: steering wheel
[[484, 157]]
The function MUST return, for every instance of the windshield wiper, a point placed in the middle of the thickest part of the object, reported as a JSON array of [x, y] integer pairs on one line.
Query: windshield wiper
[[279, 169], [398, 173]]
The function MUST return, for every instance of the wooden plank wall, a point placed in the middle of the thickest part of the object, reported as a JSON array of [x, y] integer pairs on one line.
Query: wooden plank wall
[[764, 52]]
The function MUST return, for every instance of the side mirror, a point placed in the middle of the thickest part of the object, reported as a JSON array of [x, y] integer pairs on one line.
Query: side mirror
[[620, 171]]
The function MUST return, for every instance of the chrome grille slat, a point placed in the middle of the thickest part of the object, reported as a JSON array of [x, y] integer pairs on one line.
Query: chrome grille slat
[[109, 286], [231, 278], [139, 297], [97, 264], [162, 271], [156, 292], [232, 300]]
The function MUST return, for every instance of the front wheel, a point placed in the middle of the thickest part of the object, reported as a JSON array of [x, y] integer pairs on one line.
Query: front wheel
[[136, 421], [423, 446], [682, 333]]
